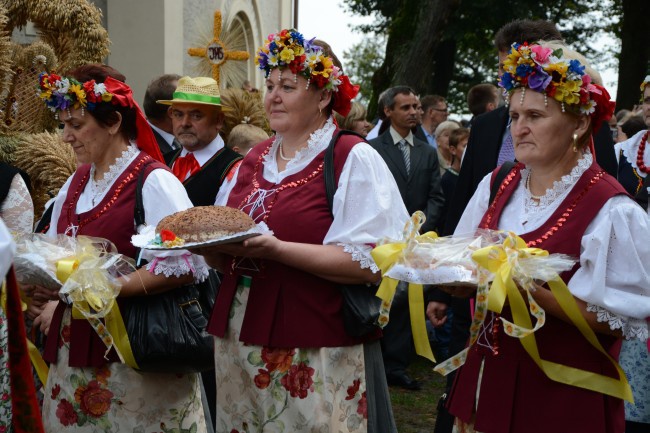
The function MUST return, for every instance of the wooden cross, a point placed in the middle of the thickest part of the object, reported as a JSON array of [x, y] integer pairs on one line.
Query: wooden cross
[[216, 52]]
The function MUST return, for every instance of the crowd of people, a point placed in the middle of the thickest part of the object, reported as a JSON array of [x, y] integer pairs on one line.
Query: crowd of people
[[544, 156]]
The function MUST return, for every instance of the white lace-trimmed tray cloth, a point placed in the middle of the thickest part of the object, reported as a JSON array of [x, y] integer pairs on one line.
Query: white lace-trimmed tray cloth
[[447, 261], [145, 239], [442, 261]]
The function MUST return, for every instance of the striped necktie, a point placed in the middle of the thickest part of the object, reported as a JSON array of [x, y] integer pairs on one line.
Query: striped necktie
[[406, 153], [507, 151]]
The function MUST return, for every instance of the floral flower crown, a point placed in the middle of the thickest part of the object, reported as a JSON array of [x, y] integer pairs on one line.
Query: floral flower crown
[[289, 49], [63, 93], [546, 71]]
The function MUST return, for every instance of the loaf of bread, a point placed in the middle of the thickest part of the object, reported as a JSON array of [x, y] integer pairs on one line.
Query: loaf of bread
[[204, 223]]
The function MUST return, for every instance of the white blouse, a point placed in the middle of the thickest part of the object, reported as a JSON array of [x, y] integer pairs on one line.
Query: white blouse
[[614, 276], [162, 195], [630, 148], [17, 210], [7, 250], [367, 205]]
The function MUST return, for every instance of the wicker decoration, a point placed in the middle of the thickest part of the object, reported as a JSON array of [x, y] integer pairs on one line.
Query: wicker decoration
[[8, 145], [48, 161], [21, 109], [73, 28], [214, 56], [71, 35], [243, 107]]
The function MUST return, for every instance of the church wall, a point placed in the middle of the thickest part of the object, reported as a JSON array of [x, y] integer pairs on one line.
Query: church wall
[[151, 37]]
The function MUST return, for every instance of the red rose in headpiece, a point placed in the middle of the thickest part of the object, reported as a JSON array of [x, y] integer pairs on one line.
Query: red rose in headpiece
[[344, 95]]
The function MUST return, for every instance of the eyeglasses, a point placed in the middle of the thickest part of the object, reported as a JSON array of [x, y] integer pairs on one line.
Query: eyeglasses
[[446, 110]]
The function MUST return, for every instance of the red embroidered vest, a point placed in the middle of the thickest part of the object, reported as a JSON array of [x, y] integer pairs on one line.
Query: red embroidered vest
[[286, 307], [113, 219], [515, 395]]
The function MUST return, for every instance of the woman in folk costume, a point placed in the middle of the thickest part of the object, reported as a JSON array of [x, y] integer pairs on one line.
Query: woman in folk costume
[[633, 174], [558, 199], [86, 391], [19, 405], [283, 359]]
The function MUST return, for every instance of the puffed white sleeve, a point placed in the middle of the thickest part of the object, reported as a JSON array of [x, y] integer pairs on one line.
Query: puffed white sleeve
[[476, 208], [18, 209], [367, 206], [614, 273], [7, 250], [163, 194], [227, 186]]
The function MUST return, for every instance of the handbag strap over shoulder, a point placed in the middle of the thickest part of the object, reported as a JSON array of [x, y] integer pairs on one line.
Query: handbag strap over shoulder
[[328, 165], [499, 177]]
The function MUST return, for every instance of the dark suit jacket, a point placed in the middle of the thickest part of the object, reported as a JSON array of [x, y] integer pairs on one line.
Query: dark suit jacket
[[421, 189], [482, 153], [162, 143], [419, 133]]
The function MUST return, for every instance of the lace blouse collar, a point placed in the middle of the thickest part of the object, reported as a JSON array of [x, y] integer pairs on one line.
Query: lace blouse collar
[[317, 142], [99, 187], [560, 187], [630, 148]]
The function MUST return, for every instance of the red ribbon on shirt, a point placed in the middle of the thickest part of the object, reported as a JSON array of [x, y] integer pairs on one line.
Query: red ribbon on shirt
[[185, 164]]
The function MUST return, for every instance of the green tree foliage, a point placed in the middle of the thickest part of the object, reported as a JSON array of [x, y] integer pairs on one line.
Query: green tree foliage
[[446, 46], [361, 61]]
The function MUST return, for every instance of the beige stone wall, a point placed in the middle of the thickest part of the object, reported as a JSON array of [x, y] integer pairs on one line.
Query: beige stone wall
[[151, 37]]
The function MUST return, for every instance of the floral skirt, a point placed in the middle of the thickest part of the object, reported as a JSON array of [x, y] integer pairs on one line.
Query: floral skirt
[[635, 361], [5, 383], [116, 398], [330, 389]]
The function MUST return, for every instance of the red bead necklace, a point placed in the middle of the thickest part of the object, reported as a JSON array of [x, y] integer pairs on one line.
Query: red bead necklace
[[640, 153]]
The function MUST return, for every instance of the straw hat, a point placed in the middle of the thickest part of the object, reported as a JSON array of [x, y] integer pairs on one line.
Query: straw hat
[[199, 90]]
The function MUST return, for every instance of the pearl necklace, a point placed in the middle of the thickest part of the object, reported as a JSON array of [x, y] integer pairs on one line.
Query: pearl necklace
[[640, 153], [282, 157], [534, 197]]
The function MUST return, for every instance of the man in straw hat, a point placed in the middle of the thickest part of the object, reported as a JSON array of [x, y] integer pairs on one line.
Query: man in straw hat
[[204, 161]]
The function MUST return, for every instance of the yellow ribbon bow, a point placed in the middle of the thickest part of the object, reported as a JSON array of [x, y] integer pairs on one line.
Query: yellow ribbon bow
[[92, 288], [502, 262], [385, 257]]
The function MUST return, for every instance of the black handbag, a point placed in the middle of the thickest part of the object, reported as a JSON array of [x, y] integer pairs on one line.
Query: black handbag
[[167, 330], [360, 305]]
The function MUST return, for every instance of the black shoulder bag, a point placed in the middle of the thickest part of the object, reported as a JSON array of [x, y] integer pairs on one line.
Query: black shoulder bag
[[360, 305], [167, 330]]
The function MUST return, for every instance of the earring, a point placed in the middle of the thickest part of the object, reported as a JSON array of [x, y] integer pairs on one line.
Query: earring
[[575, 143], [320, 111]]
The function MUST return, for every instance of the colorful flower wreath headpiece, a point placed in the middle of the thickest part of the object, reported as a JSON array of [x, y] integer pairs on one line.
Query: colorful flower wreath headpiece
[[546, 71], [63, 93], [289, 49]]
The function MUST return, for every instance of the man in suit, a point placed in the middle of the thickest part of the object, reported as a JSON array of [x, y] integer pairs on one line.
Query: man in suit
[[435, 111], [203, 162], [414, 165], [483, 98], [161, 124]]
